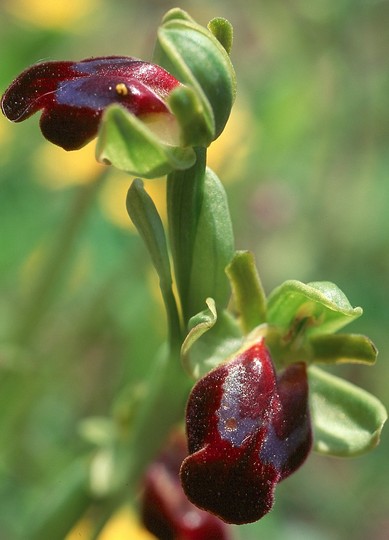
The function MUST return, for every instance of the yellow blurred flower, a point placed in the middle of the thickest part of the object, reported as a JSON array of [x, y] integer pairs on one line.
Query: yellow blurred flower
[[6, 135], [124, 525], [3, 129], [81, 531], [51, 14], [113, 198], [228, 154], [57, 169]]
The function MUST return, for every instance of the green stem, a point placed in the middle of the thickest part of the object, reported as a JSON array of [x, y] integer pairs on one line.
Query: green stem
[[160, 410]]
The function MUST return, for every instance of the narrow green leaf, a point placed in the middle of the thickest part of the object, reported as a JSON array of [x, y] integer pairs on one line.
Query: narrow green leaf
[[223, 32], [248, 293], [347, 420], [130, 145], [318, 307], [146, 219], [341, 348]]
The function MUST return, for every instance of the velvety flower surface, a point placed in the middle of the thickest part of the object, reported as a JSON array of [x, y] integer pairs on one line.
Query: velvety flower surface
[[247, 429], [73, 95], [166, 511]]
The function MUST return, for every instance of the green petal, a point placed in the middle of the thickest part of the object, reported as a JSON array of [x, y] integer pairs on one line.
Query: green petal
[[248, 294], [342, 348], [129, 144], [347, 420], [318, 307], [223, 32]]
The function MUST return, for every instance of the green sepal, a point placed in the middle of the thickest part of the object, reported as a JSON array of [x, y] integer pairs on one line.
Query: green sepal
[[131, 146], [223, 32], [248, 294], [146, 219], [347, 420], [342, 348], [313, 308], [211, 339], [194, 56]]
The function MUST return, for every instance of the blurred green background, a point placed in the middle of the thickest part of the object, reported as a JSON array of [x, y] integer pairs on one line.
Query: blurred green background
[[305, 164]]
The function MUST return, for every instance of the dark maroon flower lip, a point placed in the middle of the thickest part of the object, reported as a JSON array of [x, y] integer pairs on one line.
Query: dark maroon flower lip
[[247, 429], [165, 510], [73, 95]]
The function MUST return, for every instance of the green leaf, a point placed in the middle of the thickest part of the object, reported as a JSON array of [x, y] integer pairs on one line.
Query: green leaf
[[130, 145], [315, 308], [201, 236], [146, 219], [342, 348], [213, 247], [249, 296], [347, 420], [194, 55], [223, 32], [211, 340]]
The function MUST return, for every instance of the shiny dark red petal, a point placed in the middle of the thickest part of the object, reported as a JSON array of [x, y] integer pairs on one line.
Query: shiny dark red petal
[[293, 427], [165, 510], [68, 127], [34, 89], [96, 93], [247, 430], [74, 94]]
